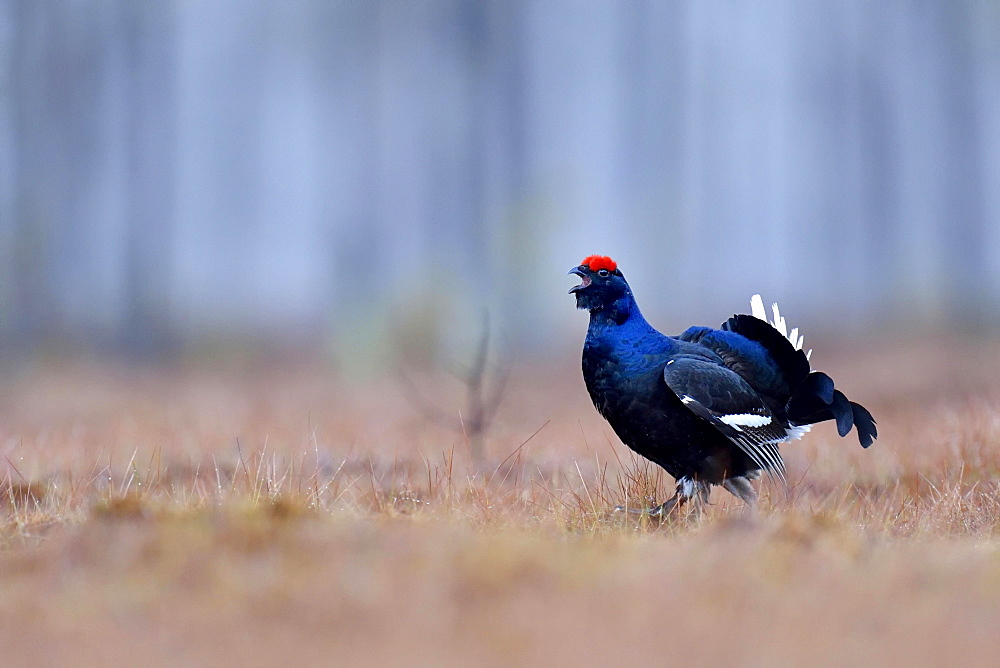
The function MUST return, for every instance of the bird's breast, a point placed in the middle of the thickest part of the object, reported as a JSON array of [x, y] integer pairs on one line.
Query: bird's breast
[[617, 379]]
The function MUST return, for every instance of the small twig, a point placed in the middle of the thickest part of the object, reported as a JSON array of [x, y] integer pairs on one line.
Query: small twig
[[483, 394]]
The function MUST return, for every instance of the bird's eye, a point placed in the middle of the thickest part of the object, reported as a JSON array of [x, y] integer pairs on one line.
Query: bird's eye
[[602, 273]]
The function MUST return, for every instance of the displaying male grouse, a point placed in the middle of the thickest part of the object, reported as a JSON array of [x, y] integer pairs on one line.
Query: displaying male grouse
[[711, 405]]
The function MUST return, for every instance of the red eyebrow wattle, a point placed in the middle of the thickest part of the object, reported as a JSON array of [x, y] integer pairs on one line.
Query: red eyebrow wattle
[[598, 262]]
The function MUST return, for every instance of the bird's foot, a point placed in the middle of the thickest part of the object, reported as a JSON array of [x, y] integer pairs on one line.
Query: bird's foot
[[657, 512], [664, 508]]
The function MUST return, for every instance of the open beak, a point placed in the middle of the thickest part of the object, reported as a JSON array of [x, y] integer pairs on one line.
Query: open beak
[[582, 274]]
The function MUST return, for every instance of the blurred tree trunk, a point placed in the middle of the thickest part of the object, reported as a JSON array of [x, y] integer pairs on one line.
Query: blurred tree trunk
[[151, 138]]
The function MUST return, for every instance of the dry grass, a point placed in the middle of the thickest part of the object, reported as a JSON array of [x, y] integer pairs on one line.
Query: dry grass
[[279, 515]]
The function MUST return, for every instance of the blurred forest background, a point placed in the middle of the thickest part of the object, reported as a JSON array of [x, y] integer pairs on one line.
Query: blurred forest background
[[365, 178]]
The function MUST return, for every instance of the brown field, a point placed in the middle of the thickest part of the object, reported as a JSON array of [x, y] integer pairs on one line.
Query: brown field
[[281, 515]]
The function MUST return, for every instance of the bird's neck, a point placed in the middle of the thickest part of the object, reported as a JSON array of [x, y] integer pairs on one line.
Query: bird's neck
[[623, 312]]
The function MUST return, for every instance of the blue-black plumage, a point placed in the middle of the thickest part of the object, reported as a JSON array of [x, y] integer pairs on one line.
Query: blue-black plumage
[[710, 406]]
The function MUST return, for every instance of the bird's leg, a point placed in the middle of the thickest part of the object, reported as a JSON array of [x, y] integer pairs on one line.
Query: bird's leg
[[686, 489], [658, 512], [662, 510], [741, 488]]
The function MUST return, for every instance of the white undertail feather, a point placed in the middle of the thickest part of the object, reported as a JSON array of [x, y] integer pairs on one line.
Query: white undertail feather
[[797, 431], [757, 311]]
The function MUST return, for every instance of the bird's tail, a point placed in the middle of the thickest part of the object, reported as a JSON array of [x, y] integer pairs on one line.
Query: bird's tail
[[816, 400], [783, 348], [793, 336], [813, 397]]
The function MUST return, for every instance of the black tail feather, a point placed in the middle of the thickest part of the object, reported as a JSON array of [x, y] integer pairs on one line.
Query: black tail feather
[[813, 396], [865, 424], [810, 401], [842, 413], [819, 385], [816, 400], [793, 363]]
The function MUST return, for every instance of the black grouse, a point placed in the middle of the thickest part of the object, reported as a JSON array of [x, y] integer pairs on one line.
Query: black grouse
[[711, 405]]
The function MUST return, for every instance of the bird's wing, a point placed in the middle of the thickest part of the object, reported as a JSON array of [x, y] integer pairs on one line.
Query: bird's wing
[[720, 396]]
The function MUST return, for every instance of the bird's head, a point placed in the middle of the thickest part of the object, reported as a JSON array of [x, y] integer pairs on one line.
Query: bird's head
[[603, 284]]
